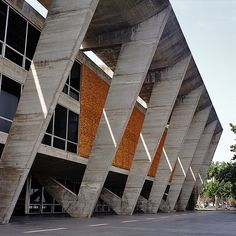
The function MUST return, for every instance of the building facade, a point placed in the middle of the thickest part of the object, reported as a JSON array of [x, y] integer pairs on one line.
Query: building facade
[[74, 139]]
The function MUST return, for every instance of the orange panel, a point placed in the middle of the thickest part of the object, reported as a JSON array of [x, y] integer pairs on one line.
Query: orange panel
[[94, 91], [156, 160], [125, 153], [172, 173]]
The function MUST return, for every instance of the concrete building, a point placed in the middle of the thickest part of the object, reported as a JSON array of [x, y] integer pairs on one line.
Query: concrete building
[[75, 140]]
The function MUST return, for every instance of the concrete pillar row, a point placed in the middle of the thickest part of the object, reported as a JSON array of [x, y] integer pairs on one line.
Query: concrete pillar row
[[180, 121], [161, 103], [205, 166], [59, 43], [132, 66], [200, 155], [186, 154]]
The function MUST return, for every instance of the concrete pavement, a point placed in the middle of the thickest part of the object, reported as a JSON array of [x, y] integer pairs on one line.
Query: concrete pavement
[[186, 223]]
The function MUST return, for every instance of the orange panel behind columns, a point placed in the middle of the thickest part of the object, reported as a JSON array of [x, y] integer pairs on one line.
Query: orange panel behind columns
[[94, 91], [125, 153], [156, 160], [172, 173]]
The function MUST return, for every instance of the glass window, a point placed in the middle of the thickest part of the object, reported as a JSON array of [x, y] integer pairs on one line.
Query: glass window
[[32, 41], [72, 86], [15, 46], [62, 131], [75, 76], [9, 96], [14, 56], [16, 31], [59, 143], [0, 48], [3, 17], [60, 122], [73, 127]]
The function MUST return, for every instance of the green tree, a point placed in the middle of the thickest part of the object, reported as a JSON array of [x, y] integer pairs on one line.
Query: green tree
[[233, 147], [221, 182]]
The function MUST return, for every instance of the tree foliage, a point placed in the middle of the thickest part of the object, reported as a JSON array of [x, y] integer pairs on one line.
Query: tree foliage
[[221, 181], [233, 147]]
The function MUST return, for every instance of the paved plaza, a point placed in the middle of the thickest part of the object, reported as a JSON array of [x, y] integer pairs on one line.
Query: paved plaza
[[186, 223]]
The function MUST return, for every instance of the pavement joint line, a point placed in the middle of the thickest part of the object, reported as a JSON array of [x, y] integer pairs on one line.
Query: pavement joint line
[[128, 221], [164, 217], [43, 230], [95, 225]]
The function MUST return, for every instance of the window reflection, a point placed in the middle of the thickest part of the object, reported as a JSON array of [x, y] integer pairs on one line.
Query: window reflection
[[62, 131], [10, 92]]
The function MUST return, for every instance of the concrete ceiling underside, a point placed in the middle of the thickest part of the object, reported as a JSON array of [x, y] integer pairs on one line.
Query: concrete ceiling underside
[[112, 23]]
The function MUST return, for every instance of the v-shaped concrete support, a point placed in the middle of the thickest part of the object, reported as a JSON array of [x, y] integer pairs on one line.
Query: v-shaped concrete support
[[186, 154], [199, 156], [59, 43], [131, 69], [179, 124], [161, 103]]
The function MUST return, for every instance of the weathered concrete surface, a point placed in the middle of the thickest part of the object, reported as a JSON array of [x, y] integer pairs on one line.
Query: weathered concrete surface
[[180, 121], [206, 163], [61, 194], [58, 45], [131, 69], [161, 103], [198, 158], [213, 223], [186, 154]]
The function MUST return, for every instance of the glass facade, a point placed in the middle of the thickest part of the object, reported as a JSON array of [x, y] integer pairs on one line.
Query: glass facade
[[18, 37], [38, 201], [62, 131], [72, 86], [10, 92]]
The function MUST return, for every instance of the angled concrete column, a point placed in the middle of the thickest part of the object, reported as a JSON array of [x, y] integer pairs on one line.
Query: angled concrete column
[[111, 199], [161, 103], [198, 158], [131, 69], [60, 40], [179, 123], [206, 163], [61, 194], [186, 154]]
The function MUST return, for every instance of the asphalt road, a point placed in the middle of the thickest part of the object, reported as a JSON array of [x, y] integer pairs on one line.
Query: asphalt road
[[188, 223]]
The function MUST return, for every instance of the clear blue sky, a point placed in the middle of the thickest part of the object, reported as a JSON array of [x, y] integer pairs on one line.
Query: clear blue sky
[[210, 29]]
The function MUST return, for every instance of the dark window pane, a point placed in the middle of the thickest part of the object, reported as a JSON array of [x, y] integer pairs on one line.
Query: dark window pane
[[9, 97], [11, 86], [49, 129], [47, 198], [60, 121], [5, 125], [57, 209], [27, 64], [14, 56], [36, 193], [74, 94], [58, 143], [47, 208], [65, 89], [71, 147], [47, 140], [0, 48], [3, 15], [16, 31], [32, 41], [75, 76], [1, 149], [73, 127]]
